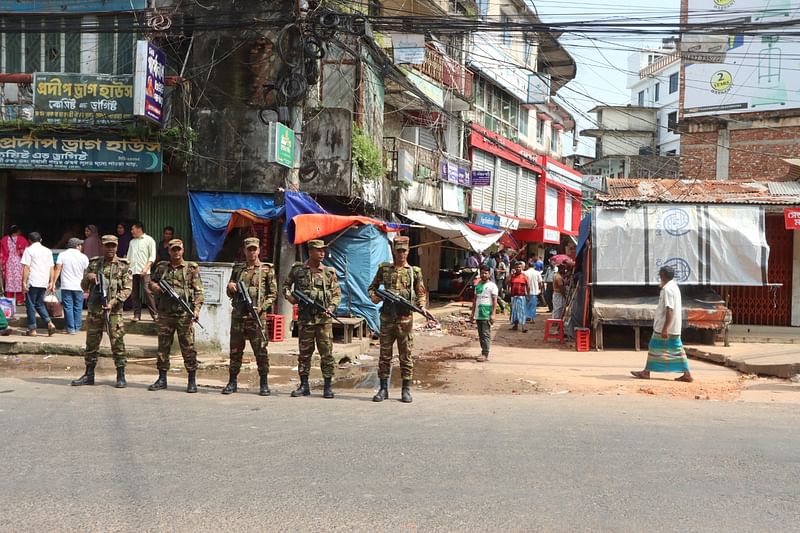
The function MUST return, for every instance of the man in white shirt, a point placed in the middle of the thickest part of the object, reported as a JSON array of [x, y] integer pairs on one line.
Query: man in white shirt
[[141, 254], [536, 286], [665, 353], [70, 266], [37, 279]]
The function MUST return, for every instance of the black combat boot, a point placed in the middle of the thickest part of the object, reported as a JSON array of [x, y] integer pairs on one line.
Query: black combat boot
[[327, 391], [383, 392], [302, 389], [86, 379], [191, 385], [161, 382], [405, 395], [263, 385], [121, 383], [233, 384]]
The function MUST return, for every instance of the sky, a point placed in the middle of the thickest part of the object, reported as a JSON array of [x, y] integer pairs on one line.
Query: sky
[[602, 60]]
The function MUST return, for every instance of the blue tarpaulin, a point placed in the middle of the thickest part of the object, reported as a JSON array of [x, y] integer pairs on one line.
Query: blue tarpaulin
[[209, 228], [356, 255], [584, 232]]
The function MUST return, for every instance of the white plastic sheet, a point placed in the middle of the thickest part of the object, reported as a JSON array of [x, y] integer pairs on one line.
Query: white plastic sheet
[[454, 230], [705, 244]]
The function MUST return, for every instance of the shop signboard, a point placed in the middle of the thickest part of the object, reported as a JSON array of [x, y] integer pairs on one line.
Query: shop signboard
[[280, 144], [91, 154], [453, 173], [481, 178], [487, 220], [791, 217], [148, 95], [64, 98]]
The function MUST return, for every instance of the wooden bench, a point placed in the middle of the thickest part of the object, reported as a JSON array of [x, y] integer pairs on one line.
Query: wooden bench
[[351, 327]]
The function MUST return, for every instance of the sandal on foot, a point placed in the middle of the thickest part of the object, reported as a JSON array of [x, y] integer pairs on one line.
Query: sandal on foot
[[639, 374], [685, 379]]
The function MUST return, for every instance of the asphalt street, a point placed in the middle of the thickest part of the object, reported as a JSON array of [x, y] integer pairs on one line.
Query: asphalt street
[[101, 459]]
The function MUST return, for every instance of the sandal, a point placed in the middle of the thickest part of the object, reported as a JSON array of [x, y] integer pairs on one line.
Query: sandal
[[685, 379], [639, 374], [51, 329]]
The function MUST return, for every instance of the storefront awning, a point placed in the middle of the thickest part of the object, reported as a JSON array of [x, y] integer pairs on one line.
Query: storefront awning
[[317, 225], [454, 230]]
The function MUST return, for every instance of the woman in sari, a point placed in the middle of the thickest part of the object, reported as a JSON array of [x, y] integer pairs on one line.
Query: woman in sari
[[11, 248]]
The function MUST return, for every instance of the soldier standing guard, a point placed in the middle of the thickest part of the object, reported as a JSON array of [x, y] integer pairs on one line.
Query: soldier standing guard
[[118, 283], [184, 278], [397, 324], [320, 283], [259, 279]]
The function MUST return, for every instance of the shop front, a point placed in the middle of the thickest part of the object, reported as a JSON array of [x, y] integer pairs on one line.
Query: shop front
[[505, 178], [558, 205]]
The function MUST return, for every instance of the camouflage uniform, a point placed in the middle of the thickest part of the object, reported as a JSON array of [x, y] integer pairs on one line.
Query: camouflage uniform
[[260, 282], [119, 283], [321, 285], [396, 324], [185, 279]]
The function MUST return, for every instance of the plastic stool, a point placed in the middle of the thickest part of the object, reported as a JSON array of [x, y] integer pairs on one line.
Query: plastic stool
[[552, 322], [582, 340], [275, 327]]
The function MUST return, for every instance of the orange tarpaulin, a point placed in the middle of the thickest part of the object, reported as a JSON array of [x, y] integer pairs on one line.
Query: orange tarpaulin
[[316, 225], [241, 218]]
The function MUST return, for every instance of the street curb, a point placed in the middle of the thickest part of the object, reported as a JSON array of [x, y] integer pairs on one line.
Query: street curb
[[47, 348], [778, 370]]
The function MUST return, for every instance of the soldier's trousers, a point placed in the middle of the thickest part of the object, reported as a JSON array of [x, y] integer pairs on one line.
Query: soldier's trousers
[[401, 330], [167, 326], [322, 335], [245, 329], [94, 334]]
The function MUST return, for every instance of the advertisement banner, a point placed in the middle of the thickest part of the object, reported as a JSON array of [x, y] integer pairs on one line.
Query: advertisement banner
[[704, 244], [63, 98], [148, 98], [95, 154], [746, 71], [481, 178], [70, 6]]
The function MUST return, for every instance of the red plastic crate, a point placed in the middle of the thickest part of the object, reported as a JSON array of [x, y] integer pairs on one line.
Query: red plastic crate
[[275, 328], [582, 339]]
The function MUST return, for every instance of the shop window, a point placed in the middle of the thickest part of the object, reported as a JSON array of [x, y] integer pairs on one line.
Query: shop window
[[641, 98], [497, 110], [658, 92]]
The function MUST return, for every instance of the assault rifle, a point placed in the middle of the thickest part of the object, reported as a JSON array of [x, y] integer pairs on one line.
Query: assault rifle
[[103, 290], [305, 300], [248, 303], [398, 301], [167, 289]]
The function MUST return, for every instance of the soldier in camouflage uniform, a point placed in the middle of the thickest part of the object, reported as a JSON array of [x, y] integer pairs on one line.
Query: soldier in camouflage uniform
[[397, 324], [184, 277], [259, 278], [320, 283], [118, 284]]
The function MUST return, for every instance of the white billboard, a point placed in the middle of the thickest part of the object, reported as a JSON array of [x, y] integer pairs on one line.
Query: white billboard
[[750, 73]]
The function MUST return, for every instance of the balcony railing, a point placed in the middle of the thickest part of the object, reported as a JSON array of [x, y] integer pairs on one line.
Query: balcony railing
[[426, 162], [659, 63], [447, 71]]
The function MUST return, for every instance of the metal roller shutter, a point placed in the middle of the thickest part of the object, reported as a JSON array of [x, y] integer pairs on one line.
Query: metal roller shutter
[[482, 196], [507, 189], [527, 195]]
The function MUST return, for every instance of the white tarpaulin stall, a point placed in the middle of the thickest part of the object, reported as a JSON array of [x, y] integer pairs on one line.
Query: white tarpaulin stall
[[454, 230], [705, 244]]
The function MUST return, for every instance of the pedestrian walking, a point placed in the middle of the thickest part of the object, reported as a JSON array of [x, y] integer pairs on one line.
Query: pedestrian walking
[[547, 277], [535, 287], [397, 325], [37, 280], [117, 286], [70, 267], [559, 292], [519, 290], [141, 255], [319, 283], [12, 246], [483, 308], [259, 280], [665, 352], [184, 278], [91, 243]]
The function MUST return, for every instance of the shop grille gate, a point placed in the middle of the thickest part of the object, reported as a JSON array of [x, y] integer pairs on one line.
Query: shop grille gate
[[767, 306]]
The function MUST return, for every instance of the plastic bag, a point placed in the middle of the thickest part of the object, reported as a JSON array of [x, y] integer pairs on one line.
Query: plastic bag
[[53, 306]]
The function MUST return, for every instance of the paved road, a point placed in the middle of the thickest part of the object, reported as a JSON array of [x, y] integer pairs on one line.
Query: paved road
[[100, 459]]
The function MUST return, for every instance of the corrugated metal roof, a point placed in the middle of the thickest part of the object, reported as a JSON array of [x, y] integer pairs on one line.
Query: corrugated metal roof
[[624, 191]]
